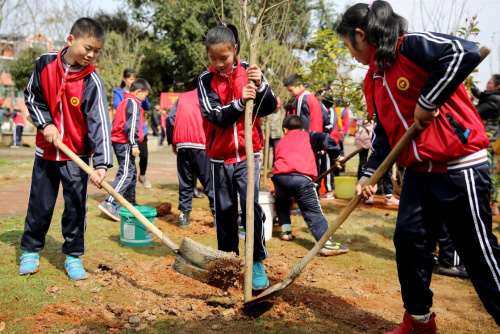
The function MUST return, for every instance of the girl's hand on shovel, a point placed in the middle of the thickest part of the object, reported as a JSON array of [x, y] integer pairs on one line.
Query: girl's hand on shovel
[[369, 190], [51, 134], [97, 181], [423, 118]]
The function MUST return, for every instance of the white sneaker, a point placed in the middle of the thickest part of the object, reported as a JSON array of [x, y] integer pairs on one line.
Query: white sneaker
[[144, 181]]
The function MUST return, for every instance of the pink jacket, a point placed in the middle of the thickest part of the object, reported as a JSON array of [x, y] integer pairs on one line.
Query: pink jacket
[[363, 136]]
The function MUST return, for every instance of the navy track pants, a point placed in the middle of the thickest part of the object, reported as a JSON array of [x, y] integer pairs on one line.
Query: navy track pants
[[192, 162], [460, 199], [46, 178], [229, 182]]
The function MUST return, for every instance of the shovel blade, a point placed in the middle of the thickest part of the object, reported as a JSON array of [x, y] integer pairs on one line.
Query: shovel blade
[[266, 294], [208, 265]]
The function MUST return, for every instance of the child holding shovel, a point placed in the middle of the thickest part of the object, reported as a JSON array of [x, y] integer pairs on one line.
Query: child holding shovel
[[223, 91], [126, 135], [417, 78], [66, 98], [293, 174]]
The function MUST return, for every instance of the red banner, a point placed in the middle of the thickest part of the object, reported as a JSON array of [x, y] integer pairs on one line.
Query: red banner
[[167, 100]]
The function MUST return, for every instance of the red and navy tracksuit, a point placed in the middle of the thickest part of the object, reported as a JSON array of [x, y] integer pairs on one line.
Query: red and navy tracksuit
[[326, 161], [293, 174], [185, 131], [447, 179], [73, 99], [309, 108], [224, 118], [19, 122], [126, 134]]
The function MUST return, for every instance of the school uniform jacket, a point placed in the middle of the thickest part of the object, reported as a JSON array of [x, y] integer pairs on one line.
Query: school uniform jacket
[[344, 115], [17, 118], [309, 109], [75, 102], [430, 69], [296, 152], [127, 128], [185, 123], [334, 121], [223, 112]]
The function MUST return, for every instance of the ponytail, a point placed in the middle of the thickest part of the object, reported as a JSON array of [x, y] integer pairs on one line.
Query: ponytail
[[223, 34], [381, 25]]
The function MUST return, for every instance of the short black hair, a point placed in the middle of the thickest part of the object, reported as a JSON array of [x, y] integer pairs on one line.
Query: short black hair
[[496, 79], [85, 26], [141, 84], [128, 72], [293, 80], [293, 122]]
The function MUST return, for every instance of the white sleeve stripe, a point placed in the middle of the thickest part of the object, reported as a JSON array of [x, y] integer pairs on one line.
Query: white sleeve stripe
[[103, 114], [452, 68], [426, 103], [205, 100], [134, 119], [31, 99]]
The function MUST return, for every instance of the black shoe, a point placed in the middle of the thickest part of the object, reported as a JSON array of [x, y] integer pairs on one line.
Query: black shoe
[[183, 219], [455, 271], [196, 194]]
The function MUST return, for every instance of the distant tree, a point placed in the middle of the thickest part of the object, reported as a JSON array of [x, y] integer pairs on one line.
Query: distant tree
[[21, 69], [180, 26]]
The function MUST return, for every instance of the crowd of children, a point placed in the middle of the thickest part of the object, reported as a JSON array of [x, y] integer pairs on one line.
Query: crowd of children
[[446, 192]]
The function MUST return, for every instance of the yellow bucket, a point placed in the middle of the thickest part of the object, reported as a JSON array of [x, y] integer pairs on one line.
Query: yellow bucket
[[345, 186]]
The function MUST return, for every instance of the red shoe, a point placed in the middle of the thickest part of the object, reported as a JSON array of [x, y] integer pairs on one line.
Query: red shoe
[[413, 326]]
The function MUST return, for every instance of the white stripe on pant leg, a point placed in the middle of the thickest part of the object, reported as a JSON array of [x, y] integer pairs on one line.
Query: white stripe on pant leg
[[456, 259], [488, 254], [262, 234], [329, 175], [215, 203], [124, 176]]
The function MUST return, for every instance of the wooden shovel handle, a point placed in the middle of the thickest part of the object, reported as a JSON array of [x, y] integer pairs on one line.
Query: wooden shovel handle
[[386, 164], [137, 214], [331, 169]]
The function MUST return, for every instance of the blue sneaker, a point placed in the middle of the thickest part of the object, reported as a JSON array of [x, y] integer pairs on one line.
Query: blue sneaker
[[74, 268], [29, 263], [259, 278]]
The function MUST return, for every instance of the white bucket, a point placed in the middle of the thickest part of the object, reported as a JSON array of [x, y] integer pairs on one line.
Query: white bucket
[[266, 202]]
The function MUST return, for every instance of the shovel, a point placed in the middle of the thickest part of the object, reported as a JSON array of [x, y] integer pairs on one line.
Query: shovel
[[192, 259], [331, 169], [388, 162]]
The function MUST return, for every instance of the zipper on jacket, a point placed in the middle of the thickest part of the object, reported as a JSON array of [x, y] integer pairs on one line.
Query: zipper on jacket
[[236, 144], [414, 145], [61, 112]]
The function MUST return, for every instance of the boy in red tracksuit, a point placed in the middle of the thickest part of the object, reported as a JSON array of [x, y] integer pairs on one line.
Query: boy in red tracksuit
[[18, 120], [293, 174], [327, 160], [66, 98], [307, 105], [186, 135], [126, 135]]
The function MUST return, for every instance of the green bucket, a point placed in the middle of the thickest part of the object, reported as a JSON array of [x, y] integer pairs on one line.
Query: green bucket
[[133, 232]]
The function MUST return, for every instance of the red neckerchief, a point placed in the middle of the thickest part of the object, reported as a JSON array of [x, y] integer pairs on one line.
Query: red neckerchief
[[71, 76], [368, 85], [231, 77]]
